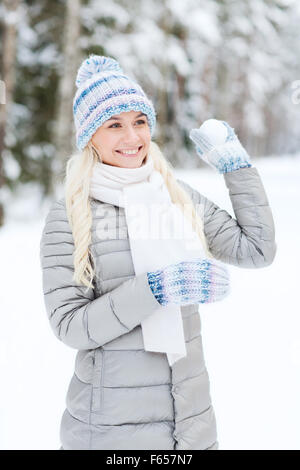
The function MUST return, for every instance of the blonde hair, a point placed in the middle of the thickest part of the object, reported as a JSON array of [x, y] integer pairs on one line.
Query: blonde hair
[[79, 169]]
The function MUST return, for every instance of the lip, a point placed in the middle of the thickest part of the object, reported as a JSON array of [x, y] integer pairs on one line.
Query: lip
[[135, 155]]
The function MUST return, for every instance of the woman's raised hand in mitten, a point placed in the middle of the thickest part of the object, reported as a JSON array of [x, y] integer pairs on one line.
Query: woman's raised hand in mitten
[[218, 145], [188, 282]]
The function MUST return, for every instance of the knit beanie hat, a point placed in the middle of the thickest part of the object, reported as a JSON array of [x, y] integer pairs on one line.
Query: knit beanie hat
[[104, 91]]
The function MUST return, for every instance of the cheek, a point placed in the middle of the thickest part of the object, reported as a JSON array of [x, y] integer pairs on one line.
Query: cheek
[[96, 139], [146, 135], [106, 142], [111, 144]]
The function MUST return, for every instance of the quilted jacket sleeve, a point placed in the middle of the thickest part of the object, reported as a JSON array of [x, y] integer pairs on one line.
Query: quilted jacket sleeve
[[77, 318], [249, 240]]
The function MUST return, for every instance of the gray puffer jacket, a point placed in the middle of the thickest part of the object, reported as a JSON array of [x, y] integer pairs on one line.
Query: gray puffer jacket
[[121, 396]]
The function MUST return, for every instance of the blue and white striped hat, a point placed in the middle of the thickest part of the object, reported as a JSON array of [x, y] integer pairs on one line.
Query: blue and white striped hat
[[103, 91]]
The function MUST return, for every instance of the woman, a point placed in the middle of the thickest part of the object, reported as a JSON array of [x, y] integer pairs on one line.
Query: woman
[[129, 303]]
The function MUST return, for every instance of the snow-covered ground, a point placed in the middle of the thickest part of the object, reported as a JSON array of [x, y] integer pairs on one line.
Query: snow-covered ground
[[251, 339]]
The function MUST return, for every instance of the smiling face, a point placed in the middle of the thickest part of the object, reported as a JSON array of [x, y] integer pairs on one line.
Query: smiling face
[[128, 131]]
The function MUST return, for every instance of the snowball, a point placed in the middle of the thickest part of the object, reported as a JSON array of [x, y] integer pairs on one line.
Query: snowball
[[215, 131]]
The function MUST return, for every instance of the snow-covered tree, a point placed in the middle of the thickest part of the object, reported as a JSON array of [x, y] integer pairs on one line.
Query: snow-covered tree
[[63, 124], [196, 59], [10, 19]]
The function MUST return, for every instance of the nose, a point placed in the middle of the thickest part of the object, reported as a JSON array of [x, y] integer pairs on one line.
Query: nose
[[131, 136]]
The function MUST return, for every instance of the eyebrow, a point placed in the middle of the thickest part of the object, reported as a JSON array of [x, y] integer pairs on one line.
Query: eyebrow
[[117, 119]]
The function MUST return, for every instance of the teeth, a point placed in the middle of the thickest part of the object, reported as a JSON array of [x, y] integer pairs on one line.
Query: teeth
[[129, 152]]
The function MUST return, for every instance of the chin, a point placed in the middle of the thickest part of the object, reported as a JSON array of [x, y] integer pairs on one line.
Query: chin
[[128, 162], [132, 164]]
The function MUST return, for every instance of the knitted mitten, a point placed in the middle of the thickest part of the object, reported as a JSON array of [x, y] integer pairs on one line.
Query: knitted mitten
[[219, 146], [188, 282]]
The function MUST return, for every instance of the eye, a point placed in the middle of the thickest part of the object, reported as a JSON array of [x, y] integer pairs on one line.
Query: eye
[[140, 120]]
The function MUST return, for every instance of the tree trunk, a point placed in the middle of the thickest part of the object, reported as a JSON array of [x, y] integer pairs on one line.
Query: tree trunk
[[8, 77], [63, 127]]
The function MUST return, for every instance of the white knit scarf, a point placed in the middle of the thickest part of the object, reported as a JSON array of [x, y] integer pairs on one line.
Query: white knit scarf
[[159, 234]]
